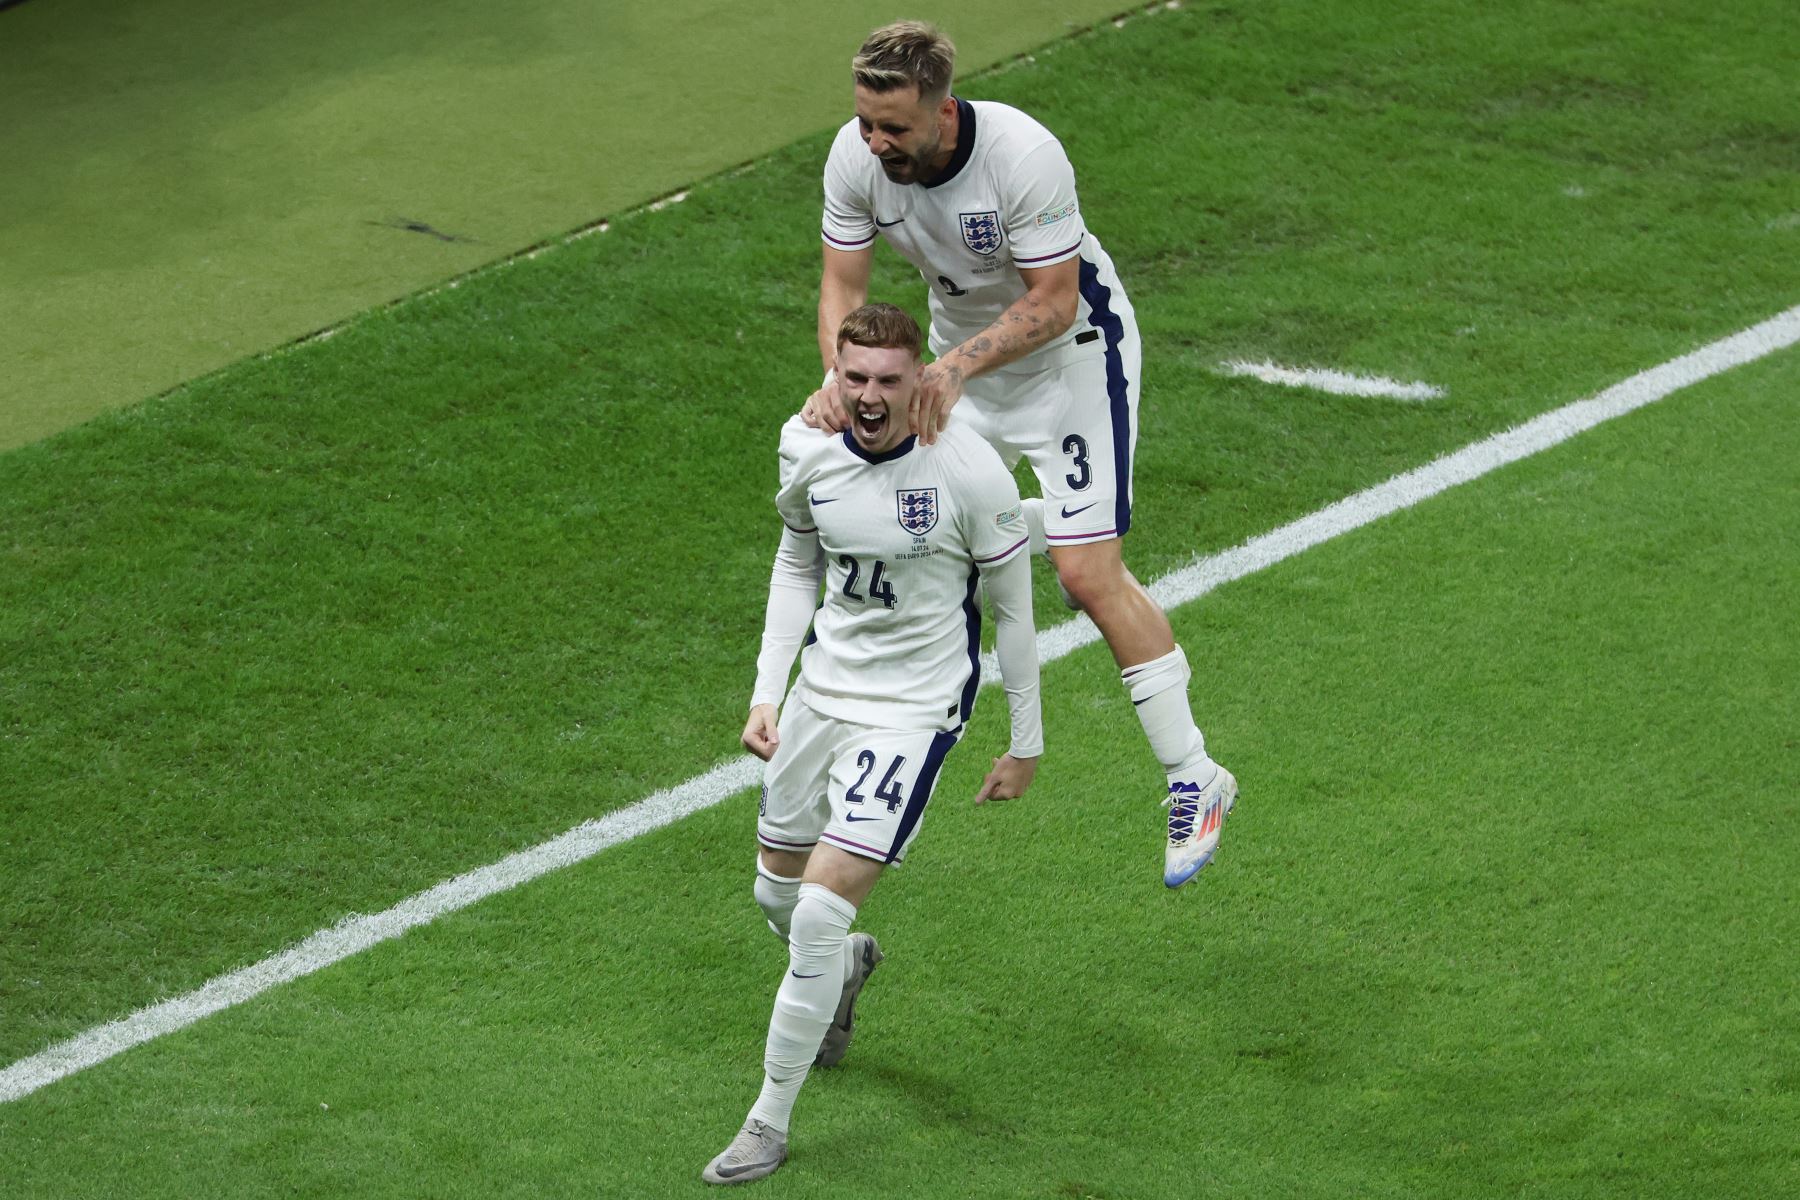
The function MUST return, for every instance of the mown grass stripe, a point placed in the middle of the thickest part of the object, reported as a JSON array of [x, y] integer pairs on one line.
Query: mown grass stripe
[[358, 932]]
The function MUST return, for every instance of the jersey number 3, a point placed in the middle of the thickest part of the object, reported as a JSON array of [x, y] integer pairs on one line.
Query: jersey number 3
[[1077, 446]]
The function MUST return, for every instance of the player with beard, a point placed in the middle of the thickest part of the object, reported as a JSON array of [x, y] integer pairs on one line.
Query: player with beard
[[898, 531], [1036, 348]]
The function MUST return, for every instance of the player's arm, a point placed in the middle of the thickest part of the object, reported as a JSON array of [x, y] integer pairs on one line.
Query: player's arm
[[793, 596], [1015, 644], [847, 226], [843, 288], [1034, 320]]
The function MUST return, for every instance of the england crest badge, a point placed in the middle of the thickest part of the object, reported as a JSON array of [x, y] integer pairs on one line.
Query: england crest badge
[[918, 510], [981, 231]]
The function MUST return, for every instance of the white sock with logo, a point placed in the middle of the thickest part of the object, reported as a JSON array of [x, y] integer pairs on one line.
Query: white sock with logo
[[1033, 509], [1159, 691], [776, 896], [806, 1000]]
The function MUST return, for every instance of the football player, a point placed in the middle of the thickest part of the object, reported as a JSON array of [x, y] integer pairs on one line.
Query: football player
[[899, 532], [1035, 346]]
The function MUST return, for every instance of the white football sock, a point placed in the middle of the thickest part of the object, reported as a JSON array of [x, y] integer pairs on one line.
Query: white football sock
[[1159, 690], [1034, 525], [806, 1001], [776, 896]]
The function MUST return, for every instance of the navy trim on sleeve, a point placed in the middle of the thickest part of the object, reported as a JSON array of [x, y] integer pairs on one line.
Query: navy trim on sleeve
[[1006, 553]]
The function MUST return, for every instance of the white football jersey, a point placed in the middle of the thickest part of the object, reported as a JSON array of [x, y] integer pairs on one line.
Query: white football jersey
[[897, 639], [1007, 200]]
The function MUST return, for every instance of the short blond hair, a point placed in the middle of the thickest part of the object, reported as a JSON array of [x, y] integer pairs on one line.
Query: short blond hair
[[882, 327], [906, 54]]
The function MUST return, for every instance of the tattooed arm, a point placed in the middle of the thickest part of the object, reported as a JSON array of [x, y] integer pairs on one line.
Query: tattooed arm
[[1035, 319]]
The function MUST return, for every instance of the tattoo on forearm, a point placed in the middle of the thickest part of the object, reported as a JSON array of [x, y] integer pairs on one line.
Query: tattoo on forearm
[[1015, 333]]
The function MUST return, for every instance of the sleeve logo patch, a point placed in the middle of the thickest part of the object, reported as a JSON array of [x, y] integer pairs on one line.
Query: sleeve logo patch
[[1009, 516], [1056, 214]]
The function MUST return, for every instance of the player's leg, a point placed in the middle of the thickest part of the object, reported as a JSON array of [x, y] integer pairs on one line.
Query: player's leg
[[791, 814], [1009, 417], [777, 887], [808, 997], [880, 783], [1085, 471], [792, 811], [1155, 673], [804, 1005], [877, 812]]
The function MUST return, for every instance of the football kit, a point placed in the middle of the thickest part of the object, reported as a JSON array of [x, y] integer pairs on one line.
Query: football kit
[[1007, 201], [889, 674]]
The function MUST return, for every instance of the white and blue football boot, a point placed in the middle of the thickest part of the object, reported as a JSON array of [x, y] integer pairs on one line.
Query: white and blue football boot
[[1196, 818]]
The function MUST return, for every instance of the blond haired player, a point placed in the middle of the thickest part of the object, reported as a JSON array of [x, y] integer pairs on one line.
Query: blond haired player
[[1036, 348], [899, 531]]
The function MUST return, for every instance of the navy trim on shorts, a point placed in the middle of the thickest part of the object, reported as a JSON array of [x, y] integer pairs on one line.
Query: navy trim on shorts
[[778, 844], [1102, 317], [859, 849], [921, 789]]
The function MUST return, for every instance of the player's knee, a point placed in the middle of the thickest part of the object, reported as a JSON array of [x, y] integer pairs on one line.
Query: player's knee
[[821, 922], [1093, 579], [776, 895]]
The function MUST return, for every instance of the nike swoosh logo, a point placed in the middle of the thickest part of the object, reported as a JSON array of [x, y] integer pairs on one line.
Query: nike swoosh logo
[[828, 500], [854, 817], [1067, 512], [881, 224], [814, 975]]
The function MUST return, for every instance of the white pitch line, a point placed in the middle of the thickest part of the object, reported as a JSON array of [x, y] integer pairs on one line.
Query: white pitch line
[[1404, 491], [1339, 383], [357, 933]]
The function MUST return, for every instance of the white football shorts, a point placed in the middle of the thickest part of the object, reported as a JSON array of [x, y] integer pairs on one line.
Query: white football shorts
[[1076, 424], [862, 789]]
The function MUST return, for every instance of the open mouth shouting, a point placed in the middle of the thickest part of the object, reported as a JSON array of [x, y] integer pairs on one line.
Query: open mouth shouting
[[871, 423], [877, 385]]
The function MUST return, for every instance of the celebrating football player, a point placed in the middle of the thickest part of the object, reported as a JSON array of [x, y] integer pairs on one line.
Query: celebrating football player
[[898, 530], [1036, 348]]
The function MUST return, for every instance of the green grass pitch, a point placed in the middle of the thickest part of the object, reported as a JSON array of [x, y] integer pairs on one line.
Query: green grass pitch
[[188, 184], [1505, 911]]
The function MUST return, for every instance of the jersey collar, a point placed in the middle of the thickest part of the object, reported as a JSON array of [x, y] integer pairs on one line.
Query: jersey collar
[[965, 143], [886, 455]]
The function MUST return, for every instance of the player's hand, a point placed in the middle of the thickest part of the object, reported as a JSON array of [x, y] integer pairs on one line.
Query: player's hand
[[825, 409], [940, 387], [1008, 780], [760, 734]]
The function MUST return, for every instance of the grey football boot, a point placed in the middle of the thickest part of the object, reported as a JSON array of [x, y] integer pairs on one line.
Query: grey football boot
[[754, 1153], [866, 954]]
